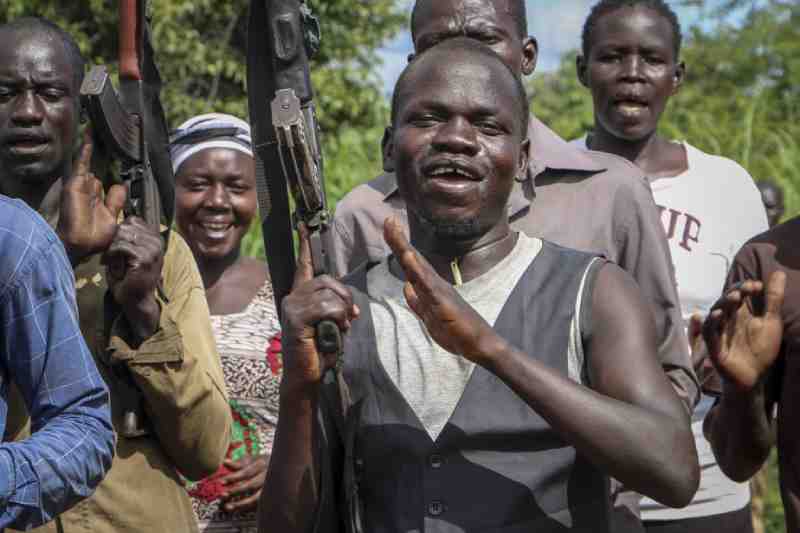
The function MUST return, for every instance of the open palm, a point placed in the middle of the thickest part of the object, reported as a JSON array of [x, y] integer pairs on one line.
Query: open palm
[[743, 343]]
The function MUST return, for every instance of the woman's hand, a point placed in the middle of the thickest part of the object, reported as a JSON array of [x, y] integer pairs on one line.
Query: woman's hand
[[243, 485]]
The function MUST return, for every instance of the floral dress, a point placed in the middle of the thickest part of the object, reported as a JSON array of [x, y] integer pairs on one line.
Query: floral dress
[[249, 348]]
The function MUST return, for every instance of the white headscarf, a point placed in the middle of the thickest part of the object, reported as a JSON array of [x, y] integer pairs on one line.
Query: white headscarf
[[212, 130]]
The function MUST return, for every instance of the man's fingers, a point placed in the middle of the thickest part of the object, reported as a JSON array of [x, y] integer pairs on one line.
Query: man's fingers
[[115, 200], [305, 268], [415, 266], [711, 331], [695, 332], [730, 303], [84, 163], [411, 298], [394, 236], [776, 288]]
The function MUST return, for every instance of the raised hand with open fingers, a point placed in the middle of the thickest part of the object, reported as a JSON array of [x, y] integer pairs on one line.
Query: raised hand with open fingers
[[450, 321], [743, 338], [87, 221], [312, 300]]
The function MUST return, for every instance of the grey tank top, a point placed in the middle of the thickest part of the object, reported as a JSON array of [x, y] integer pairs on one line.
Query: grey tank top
[[496, 465]]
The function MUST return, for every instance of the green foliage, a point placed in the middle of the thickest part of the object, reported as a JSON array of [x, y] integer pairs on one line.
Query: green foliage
[[740, 99], [774, 521], [200, 47]]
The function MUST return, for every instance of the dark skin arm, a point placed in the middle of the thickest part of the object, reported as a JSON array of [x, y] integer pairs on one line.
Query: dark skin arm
[[291, 490], [133, 251], [743, 344], [632, 425]]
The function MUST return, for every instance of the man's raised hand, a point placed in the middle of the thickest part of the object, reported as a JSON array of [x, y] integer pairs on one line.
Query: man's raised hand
[[451, 322], [87, 222], [744, 341], [312, 300]]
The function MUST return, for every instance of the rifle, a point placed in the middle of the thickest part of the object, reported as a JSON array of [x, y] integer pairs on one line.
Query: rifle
[[130, 126], [282, 36]]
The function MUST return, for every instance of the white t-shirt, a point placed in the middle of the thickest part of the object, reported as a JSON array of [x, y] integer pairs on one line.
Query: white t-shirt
[[708, 212]]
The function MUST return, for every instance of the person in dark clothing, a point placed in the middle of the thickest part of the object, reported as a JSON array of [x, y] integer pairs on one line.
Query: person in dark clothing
[[497, 380], [752, 339]]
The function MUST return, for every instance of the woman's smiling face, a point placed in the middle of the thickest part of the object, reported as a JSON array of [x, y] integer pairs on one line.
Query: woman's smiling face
[[215, 201]]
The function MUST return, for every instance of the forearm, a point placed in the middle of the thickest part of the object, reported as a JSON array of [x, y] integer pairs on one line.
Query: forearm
[[143, 318], [291, 491], [740, 432], [189, 413], [181, 393], [641, 448], [47, 473]]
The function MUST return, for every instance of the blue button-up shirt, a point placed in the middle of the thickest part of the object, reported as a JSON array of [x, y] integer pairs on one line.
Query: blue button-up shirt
[[43, 353]]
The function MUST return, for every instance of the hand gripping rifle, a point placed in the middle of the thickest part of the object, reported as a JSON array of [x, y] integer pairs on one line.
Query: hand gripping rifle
[[130, 126], [282, 36]]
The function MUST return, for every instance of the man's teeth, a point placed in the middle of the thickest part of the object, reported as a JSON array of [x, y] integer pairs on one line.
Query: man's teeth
[[446, 171]]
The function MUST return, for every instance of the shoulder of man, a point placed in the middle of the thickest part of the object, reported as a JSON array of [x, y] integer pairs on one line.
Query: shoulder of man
[[368, 197], [24, 238], [774, 248], [721, 168], [617, 169]]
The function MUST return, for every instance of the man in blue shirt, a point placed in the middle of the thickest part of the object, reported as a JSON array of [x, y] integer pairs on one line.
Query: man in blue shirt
[[43, 353]]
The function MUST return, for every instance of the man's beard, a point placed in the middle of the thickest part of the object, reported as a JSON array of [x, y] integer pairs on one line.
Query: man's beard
[[456, 230]]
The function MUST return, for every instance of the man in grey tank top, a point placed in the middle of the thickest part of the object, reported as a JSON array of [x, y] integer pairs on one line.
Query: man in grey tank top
[[550, 382]]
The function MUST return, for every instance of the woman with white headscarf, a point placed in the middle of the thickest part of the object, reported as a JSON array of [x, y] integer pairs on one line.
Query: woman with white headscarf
[[215, 201]]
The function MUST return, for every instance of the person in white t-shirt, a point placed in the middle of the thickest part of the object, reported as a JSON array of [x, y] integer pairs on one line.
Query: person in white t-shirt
[[709, 205]]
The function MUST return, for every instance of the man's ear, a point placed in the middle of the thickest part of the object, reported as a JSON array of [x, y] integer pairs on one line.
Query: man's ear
[[580, 69], [678, 77], [524, 157], [387, 147], [530, 55]]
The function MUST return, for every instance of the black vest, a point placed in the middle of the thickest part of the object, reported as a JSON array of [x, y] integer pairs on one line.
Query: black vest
[[497, 466]]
